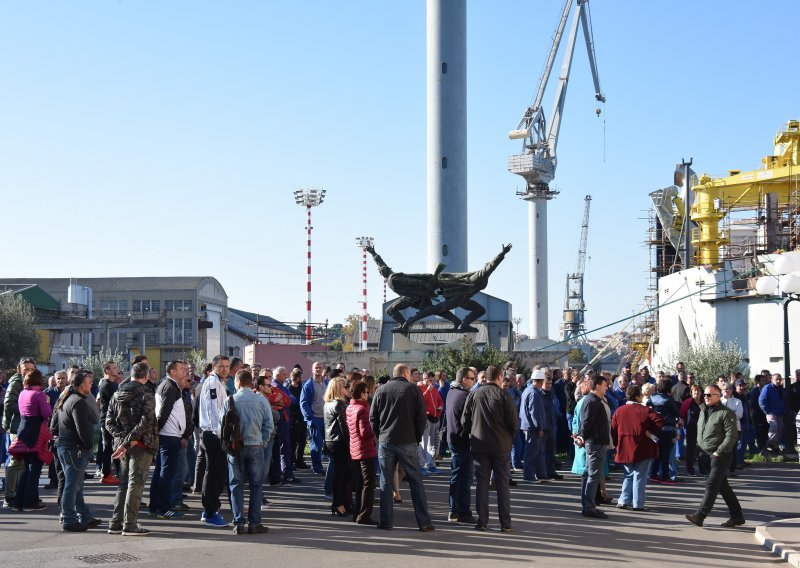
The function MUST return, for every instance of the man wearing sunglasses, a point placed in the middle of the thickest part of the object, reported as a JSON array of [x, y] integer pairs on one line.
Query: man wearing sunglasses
[[716, 439]]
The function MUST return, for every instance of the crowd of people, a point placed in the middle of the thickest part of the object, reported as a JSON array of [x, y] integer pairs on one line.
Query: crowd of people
[[235, 425]]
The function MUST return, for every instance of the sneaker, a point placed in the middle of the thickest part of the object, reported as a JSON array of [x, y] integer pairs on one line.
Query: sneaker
[[217, 521], [433, 469], [110, 480], [623, 506], [427, 528], [424, 471], [38, 507], [171, 514], [75, 527], [7, 504], [507, 529], [112, 529], [93, 523], [467, 519], [257, 529], [290, 480], [480, 527], [452, 517], [180, 507], [239, 529], [595, 514], [135, 531]]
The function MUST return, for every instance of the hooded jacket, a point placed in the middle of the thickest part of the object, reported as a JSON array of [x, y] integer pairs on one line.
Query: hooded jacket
[[11, 415], [131, 416]]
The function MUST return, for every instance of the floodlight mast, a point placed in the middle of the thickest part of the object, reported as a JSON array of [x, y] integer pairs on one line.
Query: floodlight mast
[[363, 243], [308, 198], [537, 162]]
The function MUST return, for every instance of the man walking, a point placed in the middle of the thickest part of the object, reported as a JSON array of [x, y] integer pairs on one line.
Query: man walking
[[131, 421], [211, 397], [398, 419], [490, 420], [255, 425], [716, 439], [595, 436], [462, 466]]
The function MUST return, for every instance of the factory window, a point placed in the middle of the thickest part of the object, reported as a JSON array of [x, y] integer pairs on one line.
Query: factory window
[[137, 306], [168, 305], [444, 162], [444, 68], [183, 306]]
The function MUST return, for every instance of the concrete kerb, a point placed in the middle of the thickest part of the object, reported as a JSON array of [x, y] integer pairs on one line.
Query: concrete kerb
[[764, 535]]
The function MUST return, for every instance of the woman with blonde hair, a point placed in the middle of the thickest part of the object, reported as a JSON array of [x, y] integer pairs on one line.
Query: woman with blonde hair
[[337, 443]]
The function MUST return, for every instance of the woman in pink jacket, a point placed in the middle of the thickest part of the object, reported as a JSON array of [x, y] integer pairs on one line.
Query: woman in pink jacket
[[35, 411], [363, 451]]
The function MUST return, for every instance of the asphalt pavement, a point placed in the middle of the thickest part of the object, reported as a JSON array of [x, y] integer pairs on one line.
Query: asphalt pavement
[[549, 530]]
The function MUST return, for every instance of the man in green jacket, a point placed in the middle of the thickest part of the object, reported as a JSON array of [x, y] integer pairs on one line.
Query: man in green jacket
[[11, 419], [716, 440]]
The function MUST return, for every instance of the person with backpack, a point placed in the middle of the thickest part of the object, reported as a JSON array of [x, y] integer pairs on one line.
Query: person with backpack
[[131, 421], [246, 429]]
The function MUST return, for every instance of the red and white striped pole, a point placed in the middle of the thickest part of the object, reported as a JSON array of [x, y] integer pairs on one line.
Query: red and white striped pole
[[363, 243], [308, 198]]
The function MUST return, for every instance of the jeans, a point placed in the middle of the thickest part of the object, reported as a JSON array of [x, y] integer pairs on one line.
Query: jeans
[[191, 461], [267, 459], [164, 473], [485, 466], [299, 432], [660, 467], [518, 450], [716, 483], [133, 470], [533, 447], [406, 454], [283, 441], [248, 465], [590, 482], [462, 469], [316, 435], [14, 470], [73, 508], [176, 493], [775, 432], [428, 444], [28, 483], [634, 483], [107, 441]]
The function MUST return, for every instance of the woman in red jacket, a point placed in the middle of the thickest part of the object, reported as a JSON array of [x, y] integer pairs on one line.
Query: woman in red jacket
[[34, 408], [634, 430], [363, 452]]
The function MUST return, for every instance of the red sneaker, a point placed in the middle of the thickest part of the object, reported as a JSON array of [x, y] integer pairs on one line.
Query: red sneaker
[[109, 480]]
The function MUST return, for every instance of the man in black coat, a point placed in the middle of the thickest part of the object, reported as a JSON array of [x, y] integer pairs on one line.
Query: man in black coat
[[462, 466], [595, 435], [398, 419]]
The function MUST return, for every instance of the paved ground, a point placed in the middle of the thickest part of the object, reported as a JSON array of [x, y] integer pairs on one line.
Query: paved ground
[[549, 531]]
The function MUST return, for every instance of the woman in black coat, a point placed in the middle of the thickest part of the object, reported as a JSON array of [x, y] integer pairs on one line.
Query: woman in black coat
[[337, 444]]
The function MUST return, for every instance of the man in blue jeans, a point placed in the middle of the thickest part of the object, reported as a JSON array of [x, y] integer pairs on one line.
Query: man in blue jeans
[[174, 431], [398, 419], [462, 466], [312, 406], [255, 424]]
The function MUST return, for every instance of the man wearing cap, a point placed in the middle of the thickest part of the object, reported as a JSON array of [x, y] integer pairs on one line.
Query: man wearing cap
[[716, 440], [532, 424]]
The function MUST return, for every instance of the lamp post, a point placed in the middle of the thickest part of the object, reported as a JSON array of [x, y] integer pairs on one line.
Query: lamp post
[[363, 243], [785, 289], [308, 198]]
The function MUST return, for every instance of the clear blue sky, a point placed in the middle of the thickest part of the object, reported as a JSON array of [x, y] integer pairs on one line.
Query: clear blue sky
[[166, 138]]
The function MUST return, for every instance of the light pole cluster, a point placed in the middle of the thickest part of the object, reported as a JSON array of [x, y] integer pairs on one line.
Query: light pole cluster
[[363, 243], [784, 287], [308, 198]]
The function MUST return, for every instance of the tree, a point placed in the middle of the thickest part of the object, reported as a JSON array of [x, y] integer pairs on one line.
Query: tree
[[95, 363], [17, 336], [335, 345], [351, 324], [197, 357], [710, 358], [450, 359], [576, 356]]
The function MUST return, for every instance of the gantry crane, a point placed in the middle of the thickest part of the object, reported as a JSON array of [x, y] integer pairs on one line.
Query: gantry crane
[[572, 326], [537, 162]]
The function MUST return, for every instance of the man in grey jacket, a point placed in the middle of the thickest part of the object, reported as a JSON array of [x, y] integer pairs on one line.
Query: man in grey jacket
[[490, 420]]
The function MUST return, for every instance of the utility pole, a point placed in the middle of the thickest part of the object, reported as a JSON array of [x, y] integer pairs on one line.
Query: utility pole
[[363, 243], [308, 198]]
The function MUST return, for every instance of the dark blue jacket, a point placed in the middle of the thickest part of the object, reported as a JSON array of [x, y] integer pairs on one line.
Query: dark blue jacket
[[531, 411], [771, 400], [665, 406]]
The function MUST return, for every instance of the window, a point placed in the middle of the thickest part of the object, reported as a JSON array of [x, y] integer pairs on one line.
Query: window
[[168, 305], [147, 305], [137, 306], [151, 338], [114, 305], [179, 331], [187, 330], [183, 305]]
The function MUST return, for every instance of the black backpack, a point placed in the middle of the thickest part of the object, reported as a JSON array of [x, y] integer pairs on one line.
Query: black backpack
[[231, 438]]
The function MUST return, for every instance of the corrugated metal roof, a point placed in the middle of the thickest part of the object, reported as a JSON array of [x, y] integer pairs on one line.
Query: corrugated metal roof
[[265, 321], [122, 284]]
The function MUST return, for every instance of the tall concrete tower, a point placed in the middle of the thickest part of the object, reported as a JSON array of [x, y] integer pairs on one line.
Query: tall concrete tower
[[446, 26]]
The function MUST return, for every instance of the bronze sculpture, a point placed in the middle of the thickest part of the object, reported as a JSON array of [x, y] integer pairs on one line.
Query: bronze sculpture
[[419, 291]]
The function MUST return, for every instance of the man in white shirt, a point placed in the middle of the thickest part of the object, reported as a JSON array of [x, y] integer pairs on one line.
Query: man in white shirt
[[211, 397]]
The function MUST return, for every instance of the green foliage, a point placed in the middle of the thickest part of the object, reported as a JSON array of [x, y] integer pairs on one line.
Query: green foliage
[[576, 356], [96, 362], [711, 358], [467, 354], [17, 337], [197, 357], [335, 345]]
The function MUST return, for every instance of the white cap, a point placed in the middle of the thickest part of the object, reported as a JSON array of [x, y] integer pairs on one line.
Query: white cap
[[538, 375]]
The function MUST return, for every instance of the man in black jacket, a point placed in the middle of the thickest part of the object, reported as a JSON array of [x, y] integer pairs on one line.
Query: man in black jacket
[[398, 419], [595, 436], [490, 419], [107, 387], [462, 466]]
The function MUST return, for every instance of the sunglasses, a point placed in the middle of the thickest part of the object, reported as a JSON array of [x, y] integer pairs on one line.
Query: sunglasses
[[709, 394]]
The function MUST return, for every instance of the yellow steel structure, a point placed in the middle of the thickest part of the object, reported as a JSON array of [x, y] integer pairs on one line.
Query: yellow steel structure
[[715, 198]]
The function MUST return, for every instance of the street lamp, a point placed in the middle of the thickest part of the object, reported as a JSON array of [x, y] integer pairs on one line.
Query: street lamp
[[308, 198], [785, 288], [363, 243]]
